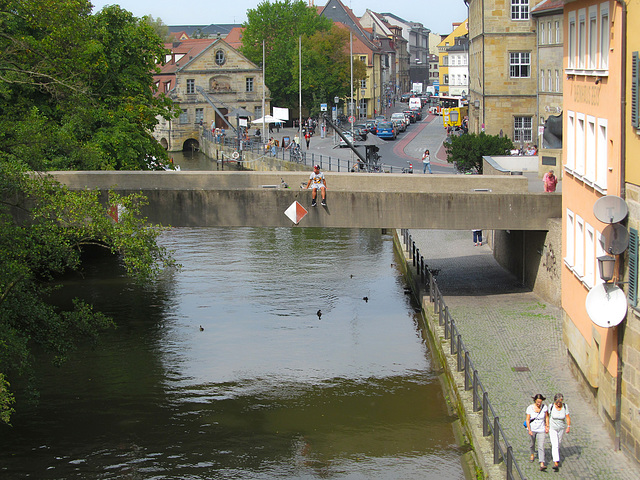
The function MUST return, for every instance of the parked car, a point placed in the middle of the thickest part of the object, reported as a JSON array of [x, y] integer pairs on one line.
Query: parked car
[[387, 130], [400, 121], [347, 134]]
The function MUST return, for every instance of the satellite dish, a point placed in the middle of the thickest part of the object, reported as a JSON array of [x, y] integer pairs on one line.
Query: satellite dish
[[616, 239], [610, 209], [606, 305]]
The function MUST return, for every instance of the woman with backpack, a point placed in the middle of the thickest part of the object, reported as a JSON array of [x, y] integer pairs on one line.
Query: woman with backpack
[[559, 423]]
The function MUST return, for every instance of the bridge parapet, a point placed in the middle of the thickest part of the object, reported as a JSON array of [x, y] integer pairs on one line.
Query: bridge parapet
[[453, 202], [348, 182]]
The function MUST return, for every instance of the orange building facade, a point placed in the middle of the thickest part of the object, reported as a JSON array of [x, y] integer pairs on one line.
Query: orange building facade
[[592, 163]]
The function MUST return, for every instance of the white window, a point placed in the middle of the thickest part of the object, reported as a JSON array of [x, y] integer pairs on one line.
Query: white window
[[542, 79], [541, 40], [519, 9], [589, 256], [549, 37], [557, 80], [257, 112], [558, 30], [191, 85], [549, 80], [199, 115], [569, 256], [582, 38], [578, 266], [590, 173], [519, 64], [184, 116], [580, 129], [571, 140], [601, 154], [604, 36], [572, 40], [522, 129], [249, 84], [593, 37], [220, 57], [363, 83]]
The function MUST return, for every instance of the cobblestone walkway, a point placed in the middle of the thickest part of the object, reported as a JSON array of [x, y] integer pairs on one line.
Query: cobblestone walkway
[[505, 326]]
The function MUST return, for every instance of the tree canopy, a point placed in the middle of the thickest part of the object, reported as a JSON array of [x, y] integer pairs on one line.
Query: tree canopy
[[76, 92], [76, 89], [325, 53], [44, 229], [466, 151]]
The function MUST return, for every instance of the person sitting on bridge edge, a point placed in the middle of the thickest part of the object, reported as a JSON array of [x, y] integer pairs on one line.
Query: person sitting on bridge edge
[[317, 181]]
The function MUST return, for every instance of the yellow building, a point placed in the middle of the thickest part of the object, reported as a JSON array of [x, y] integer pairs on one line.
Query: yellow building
[[459, 30], [503, 69], [629, 419], [594, 167]]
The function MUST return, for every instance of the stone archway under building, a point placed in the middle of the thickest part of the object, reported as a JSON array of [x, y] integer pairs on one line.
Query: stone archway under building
[[191, 145], [164, 143]]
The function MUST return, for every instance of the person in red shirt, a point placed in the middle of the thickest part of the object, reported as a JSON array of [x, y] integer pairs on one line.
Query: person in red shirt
[[550, 181], [307, 137]]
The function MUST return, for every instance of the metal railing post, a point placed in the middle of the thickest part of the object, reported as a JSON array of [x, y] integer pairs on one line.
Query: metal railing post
[[446, 323], [509, 462], [476, 397], [466, 371], [459, 353], [485, 414]]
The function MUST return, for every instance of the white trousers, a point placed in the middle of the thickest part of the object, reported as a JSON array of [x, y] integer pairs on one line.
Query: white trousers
[[555, 436]]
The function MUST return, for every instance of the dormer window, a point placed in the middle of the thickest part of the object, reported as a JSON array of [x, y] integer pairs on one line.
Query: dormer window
[[220, 57]]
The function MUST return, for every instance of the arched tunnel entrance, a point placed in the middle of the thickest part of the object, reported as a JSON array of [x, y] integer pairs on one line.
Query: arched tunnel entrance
[[191, 145]]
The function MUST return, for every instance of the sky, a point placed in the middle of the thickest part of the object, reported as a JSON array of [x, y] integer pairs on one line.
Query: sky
[[433, 14]]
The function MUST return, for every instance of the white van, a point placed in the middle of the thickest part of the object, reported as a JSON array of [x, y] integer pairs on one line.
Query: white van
[[415, 103]]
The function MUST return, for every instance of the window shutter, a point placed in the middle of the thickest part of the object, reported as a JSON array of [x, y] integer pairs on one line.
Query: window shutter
[[632, 292], [635, 90]]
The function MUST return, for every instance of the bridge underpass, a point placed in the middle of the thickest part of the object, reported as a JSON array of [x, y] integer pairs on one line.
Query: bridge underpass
[[442, 202]]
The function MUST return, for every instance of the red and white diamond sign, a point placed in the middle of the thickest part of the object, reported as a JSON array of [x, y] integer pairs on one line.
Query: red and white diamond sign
[[296, 212]]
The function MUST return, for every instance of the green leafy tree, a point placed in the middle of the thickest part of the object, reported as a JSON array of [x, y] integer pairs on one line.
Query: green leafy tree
[[466, 151], [325, 59], [77, 89], [326, 69], [44, 229], [162, 30]]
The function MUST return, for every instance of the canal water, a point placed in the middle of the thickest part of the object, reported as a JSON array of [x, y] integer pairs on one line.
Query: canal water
[[225, 370]]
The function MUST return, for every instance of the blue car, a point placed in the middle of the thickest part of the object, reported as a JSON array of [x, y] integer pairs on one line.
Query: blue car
[[387, 130]]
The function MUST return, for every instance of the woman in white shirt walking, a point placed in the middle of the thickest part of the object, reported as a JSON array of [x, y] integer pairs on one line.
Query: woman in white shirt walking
[[537, 423], [559, 423]]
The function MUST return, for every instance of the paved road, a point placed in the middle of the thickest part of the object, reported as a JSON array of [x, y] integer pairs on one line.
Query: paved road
[[506, 326]]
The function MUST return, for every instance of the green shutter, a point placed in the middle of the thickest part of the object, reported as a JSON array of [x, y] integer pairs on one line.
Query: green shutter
[[632, 292], [635, 90]]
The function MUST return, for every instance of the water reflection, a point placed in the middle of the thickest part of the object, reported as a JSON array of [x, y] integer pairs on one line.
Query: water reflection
[[266, 390]]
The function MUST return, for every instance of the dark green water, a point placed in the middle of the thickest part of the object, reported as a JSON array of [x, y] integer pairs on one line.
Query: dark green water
[[267, 390]]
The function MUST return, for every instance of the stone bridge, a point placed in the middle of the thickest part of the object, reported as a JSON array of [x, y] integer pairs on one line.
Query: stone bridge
[[355, 200]]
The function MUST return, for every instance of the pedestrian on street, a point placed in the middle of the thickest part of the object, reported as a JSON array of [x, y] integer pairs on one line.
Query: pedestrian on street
[[477, 236], [317, 181], [537, 423], [550, 182], [307, 137], [559, 423], [426, 162]]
